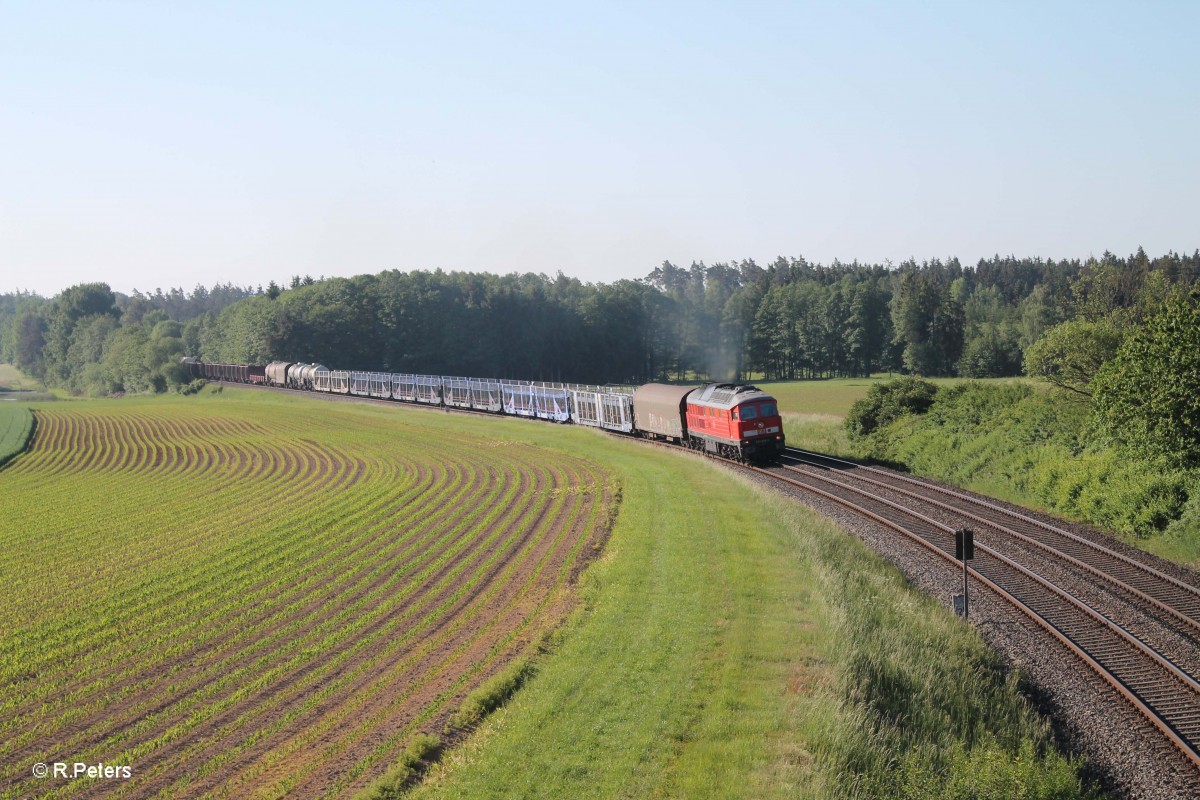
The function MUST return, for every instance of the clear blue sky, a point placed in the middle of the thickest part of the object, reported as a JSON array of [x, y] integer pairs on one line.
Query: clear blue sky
[[168, 144]]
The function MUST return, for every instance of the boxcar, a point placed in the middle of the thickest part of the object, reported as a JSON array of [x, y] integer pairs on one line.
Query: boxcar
[[658, 410]]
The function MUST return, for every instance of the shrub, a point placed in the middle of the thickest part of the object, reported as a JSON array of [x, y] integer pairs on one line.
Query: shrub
[[1030, 447], [887, 402]]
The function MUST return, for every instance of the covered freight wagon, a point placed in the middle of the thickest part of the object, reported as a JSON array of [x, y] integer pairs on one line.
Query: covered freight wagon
[[658, 410], [277, 372]]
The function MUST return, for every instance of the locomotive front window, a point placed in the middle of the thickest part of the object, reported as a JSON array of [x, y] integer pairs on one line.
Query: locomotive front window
[[749, 412], [767, 409]]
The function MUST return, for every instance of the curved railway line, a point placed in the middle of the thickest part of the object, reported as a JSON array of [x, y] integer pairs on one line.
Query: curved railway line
[[1136, 627], [1139, 634]]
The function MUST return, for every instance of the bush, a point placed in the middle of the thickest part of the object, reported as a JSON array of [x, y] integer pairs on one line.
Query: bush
[[887, 402], [1032, 448]]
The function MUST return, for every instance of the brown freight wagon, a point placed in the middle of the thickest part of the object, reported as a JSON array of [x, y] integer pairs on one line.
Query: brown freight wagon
[[658, 410]]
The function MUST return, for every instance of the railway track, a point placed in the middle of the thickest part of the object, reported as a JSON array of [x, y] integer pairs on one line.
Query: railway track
[[1131, 660]]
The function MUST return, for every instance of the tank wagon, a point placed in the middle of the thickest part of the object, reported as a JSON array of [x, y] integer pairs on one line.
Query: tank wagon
[[735, 421], [301, 376]]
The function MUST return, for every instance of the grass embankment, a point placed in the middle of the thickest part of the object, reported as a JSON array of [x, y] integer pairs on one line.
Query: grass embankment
[[17, 386], [16, 431], [1012, 439], [1034, 446], [13, 380], [735, 645]]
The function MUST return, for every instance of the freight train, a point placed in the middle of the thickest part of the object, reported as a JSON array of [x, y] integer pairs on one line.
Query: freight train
[[736, 421]]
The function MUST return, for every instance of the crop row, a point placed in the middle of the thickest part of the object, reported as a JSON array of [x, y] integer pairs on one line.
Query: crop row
[[237, 600]]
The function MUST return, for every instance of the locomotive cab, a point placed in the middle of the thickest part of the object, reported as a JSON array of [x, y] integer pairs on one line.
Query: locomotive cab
[[758, 427]]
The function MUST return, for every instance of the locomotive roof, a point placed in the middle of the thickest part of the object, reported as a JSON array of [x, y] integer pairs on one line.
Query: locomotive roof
[[726, 395]]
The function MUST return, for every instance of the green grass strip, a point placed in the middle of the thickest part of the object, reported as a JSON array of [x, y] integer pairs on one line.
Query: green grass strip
[[734, 645], [16, 431]]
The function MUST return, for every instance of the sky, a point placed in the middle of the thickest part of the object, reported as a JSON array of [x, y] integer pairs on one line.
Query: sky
[[153, 145]]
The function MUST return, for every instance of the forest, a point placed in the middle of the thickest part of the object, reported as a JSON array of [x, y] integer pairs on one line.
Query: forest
[[788, 319]]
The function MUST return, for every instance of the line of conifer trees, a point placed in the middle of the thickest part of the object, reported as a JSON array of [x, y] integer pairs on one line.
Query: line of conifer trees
[[788, 319]]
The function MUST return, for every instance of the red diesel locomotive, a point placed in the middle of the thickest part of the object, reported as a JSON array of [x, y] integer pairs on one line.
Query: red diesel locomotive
[[731, 420], [734, 421]]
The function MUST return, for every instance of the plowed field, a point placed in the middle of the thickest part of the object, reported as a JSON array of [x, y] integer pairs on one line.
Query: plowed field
[[246, 599]]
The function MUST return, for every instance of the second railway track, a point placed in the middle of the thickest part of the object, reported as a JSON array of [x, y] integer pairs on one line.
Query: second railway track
[[1133, 662]]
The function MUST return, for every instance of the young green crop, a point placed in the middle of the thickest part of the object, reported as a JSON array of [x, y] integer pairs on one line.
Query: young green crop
[[236, 585], [16, 430]]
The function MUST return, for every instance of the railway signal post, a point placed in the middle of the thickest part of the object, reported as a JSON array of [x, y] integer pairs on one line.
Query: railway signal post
[[964, 551]]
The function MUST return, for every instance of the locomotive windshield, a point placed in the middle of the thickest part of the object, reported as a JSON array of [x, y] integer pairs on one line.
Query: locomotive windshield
[[749, 412], [767, 409]]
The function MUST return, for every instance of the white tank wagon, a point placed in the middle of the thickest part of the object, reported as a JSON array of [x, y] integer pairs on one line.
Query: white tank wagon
[[300, 376]]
